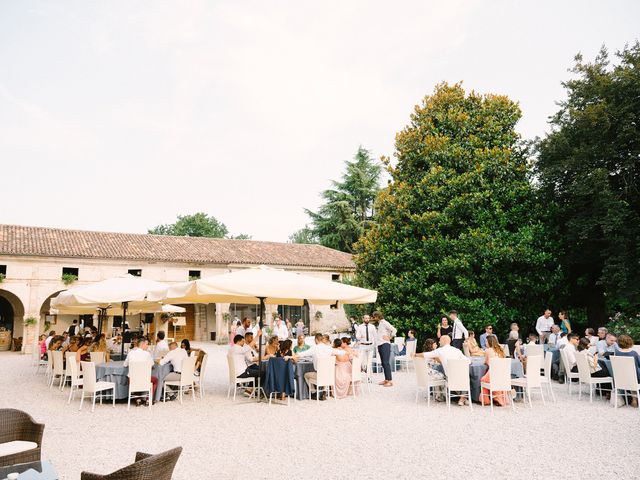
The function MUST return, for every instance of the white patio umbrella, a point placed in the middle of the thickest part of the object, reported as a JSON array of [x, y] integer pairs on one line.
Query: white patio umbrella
[[133, 308], [103, 294], [264, 285]]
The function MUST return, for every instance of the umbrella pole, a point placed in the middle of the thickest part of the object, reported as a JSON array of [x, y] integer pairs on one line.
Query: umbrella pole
[[260, 326], [124, 321]]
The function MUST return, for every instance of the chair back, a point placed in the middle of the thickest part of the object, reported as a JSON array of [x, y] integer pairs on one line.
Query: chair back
[[624, 372], [411, 347], [89, 376], [139, 376], [187, 370], [548, 360], [399, 341], [232, 369], [534, 350], [534, 363], [73, 368], [500, 373], [356, 369], [636, 348], [505, 349], [458, 374], [584, 372], [70, 357], [58, 362], [97, 357], [203, 366], [465, 349], [564, 360], [326, 371], [158, 467], [422, 371]]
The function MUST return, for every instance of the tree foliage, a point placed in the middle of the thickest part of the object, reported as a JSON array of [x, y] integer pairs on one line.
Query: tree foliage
[[304, 235], [197, 225], [460, 225], [348, 206], [589, 165]]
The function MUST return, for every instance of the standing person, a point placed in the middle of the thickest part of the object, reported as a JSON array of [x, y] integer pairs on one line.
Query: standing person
[[366, 336], [565, 324], [299, 328], [352, 321], [543, 326], [280, 329], [73, 328], [385, 332], [459, 333], [289, 329], [444, 328]]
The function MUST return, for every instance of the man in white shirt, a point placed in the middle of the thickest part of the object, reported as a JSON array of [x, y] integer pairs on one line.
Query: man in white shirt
[[114, 344], [242, 355], [543, 326], [459, 333], [443, 354], [47, 340], [280, 330], [555, 334], [386, 332], [244, 327], [141, 354], [366, 336], [162, 347], [570, 350], [175, 356], [607, 346], [321, 349]]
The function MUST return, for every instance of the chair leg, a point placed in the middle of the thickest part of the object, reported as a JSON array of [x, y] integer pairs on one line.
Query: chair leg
[[93, 402], [113, 397], [590, 393], [129, 401], [70, 395], [193, 393], [81, 401], [491, 400]]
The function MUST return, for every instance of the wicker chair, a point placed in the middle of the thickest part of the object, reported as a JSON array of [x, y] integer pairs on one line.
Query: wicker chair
[[16, 425], [146, 467]]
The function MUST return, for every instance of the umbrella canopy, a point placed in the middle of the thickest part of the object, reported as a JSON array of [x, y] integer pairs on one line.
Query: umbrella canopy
[[125, 288], [275, 286]]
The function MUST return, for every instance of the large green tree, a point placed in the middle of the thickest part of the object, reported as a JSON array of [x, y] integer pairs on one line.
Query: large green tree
[[348, 206], [460, 225], [197, 225], [589, 165]]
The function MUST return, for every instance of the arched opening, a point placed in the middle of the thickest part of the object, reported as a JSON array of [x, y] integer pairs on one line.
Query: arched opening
[[11, 318], [49, 322]]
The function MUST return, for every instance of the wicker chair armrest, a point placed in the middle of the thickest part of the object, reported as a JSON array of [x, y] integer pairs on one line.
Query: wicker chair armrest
[[142, 456], [91, 476]]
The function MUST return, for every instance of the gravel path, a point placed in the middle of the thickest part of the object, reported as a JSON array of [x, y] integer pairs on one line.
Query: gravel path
[[383, 434]]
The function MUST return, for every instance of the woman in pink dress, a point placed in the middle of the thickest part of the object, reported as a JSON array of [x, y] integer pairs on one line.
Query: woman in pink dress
[[493, 350], [343, 371]]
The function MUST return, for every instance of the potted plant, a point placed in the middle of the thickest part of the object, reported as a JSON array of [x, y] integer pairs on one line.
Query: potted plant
[[30, 321], [68, 278], [2, 277], [318, 315]]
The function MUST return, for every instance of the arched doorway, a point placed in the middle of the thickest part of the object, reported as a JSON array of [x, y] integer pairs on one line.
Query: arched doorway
[[11, 313], [46, 317]]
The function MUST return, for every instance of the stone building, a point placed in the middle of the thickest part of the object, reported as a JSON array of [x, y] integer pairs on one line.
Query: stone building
[[34, 261]]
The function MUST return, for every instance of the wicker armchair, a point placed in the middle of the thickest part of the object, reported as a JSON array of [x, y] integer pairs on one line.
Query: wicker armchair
[[146, 467], [19, 425]]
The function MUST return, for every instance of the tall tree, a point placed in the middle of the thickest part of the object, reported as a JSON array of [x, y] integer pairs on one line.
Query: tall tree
[[590, 166], [197, 225], [460, 225], [304, 235], [348, 206]]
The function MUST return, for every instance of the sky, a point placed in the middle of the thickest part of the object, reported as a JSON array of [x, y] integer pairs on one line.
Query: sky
[[121, 115]]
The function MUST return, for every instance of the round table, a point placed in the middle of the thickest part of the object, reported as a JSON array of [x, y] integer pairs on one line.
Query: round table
[[117, 373], [477, 369]]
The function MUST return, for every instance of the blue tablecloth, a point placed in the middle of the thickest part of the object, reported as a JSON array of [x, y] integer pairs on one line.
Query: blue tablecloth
[[300, 369], [116, 372], [477, 369]]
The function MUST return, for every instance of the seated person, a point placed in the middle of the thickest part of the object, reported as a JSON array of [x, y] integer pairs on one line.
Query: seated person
[[625, 349], [141, 354], [346, 346], [472, 345], [114, 344], [513, 342], [411, 337], [488, 332], [285, 350], [533, 338], [301, 346], [554, 336], [607, 346], [272, 348], [595, 369], [175, 356], [590, 334]]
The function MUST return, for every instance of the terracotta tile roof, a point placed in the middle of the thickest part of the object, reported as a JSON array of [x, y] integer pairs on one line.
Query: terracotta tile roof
[[57, 242]]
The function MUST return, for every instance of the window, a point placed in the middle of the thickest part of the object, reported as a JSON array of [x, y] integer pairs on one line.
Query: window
[[3, 270], [194, 274], [136, 272], [335, 277], [70, 271]]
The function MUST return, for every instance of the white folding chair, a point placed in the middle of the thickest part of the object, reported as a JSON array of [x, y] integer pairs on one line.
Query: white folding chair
[[505, 349], [457, 373], [235, 382], [92, 387], [199, 379], [140, 381], [624, 376], [325, 378], [97, 357], [73, 370], [408, 357], [499, 380], [186, 380], [423, 380], [584, 376], [58, 366], [42, 363], [568, 374], [532, 378], [546, 378], [70, 358], [399, 341], [356, 374], [636, 348]]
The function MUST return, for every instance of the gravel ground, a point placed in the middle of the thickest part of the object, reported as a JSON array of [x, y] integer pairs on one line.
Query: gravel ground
[[383, 433]]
